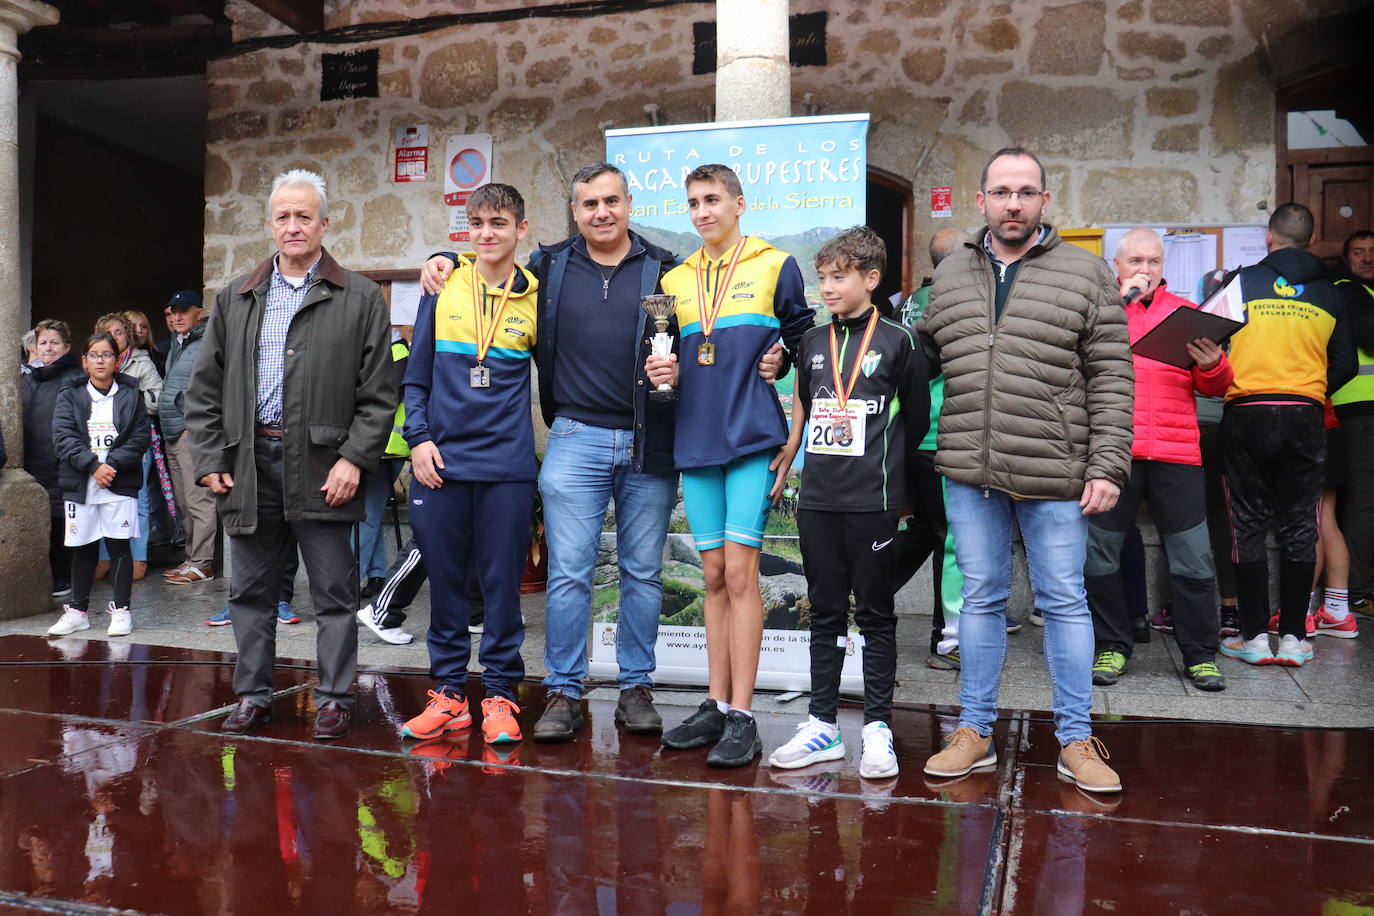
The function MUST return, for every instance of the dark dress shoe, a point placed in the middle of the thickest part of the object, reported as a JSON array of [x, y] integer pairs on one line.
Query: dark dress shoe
[[332, 721], [245, 717], [371, 587]]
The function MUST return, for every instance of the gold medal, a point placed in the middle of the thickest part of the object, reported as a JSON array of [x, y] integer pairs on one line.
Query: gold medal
[[706, 354]]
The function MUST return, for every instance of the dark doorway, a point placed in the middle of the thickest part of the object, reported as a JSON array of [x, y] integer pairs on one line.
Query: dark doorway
[[889, 214], [118, 197]]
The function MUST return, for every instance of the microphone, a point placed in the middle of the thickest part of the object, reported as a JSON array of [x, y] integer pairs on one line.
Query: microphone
[[1132, 296]]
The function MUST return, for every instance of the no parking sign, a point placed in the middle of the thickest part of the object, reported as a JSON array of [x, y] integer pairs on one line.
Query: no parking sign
[[467, 166]]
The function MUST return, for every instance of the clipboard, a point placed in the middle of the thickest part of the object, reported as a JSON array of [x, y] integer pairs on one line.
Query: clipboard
[[1221, 315]]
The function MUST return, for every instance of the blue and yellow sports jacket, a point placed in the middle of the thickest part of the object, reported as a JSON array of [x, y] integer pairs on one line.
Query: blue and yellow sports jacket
[[1296, 343], [725, 411], [483, 434]]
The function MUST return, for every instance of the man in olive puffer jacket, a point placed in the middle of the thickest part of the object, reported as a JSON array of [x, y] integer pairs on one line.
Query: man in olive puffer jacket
[[1036, 426]]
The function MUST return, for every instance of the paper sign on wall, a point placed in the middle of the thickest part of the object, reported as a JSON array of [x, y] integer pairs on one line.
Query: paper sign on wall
[[412, 153], [467, 166], [941, 203], [458, 227]]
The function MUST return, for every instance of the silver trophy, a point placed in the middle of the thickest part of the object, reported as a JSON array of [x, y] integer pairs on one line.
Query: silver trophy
[[660, 308]]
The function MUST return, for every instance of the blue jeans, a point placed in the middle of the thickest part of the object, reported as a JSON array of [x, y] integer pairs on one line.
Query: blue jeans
[[584, 467], [372, 562], [1056, 536]]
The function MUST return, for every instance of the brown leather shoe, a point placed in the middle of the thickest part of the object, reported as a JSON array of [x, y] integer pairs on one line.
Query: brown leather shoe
[[246, 717], [332, 721]]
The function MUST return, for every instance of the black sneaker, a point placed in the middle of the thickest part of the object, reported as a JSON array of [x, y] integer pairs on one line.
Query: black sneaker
[[739, 745], [562, 716], [1140, 630], [944, 661], [61, 589], [636, 711], [703, 727], [1230, 620], [371, 587]]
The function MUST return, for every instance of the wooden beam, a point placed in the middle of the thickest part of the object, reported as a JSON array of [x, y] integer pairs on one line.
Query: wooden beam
[[302, 15], [67, 52]]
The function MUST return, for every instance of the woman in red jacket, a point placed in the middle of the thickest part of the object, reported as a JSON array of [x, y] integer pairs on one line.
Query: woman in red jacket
[[1166, 472]]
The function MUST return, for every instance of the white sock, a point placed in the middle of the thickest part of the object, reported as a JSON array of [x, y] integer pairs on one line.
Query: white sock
[[746, 712], [723, 706], [1338, 603]]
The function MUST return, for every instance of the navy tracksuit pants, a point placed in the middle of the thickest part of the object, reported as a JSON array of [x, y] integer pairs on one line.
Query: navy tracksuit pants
[[484, 526]]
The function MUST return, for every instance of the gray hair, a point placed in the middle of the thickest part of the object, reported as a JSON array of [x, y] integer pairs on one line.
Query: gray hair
[[595, 170], [29, 339], [301, 178]]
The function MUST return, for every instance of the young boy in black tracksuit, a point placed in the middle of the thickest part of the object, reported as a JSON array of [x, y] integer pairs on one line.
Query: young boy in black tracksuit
[[861, 405]]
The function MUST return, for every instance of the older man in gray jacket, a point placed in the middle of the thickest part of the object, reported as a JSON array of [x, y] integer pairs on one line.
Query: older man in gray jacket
[[195, 505], [1036, 428], [291, 400]]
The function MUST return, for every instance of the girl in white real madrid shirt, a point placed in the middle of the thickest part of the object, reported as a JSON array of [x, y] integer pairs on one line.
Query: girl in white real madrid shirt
[[100, 432]]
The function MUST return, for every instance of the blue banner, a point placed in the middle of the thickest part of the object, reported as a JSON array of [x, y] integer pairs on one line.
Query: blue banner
[[804, 179]]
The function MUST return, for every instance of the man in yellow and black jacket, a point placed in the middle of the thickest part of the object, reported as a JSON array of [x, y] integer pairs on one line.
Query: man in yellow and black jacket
[[1295, 349], [1354, 404]]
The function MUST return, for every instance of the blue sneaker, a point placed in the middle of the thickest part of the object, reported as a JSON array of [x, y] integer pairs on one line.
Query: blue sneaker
[[284, 613], [221, 619], [1255, 651]]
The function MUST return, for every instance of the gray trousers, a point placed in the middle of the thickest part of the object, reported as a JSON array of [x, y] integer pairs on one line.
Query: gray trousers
[[195, 503], [259, 560]]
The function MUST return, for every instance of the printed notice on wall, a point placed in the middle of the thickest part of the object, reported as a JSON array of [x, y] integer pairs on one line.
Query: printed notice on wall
[[941, 203], [412, 153]]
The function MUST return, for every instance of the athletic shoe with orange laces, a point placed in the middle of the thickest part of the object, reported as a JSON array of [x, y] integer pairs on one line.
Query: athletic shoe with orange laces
[[498, 720], [444, 713]]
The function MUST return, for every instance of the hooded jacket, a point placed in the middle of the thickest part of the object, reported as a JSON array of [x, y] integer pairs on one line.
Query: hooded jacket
[[338, 392], [1165, 409], [1296, 342], [76, 461], [725, 410], [482, 434], [1038, 399]]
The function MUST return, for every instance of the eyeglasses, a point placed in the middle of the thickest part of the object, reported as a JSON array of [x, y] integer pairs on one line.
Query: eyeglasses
[[100, 357], [1002, 195]]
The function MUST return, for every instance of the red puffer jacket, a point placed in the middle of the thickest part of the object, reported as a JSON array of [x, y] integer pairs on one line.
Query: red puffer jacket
[[1165, 411]]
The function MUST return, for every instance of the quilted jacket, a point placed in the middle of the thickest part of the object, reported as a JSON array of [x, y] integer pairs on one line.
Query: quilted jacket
[[1039, 400]]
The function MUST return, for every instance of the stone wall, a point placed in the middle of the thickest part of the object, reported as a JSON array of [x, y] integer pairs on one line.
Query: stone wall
[[1148, 110]]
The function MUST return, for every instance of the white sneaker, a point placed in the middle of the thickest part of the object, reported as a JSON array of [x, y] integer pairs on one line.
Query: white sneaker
[[121, 621], [394, 635], [71, 621], [815, 741], [879, 760]]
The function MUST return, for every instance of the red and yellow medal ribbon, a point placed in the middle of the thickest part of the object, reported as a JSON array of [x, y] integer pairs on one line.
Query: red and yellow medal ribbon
[[709, 315], [486, 331], [843, 391]]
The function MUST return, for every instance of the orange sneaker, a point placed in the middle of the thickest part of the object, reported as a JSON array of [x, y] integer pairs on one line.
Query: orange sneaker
[[498, 720], [440, 753], [444, 713]]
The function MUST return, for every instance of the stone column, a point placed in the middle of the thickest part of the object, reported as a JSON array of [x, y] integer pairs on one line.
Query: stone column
[[753, 76], [24, 582]]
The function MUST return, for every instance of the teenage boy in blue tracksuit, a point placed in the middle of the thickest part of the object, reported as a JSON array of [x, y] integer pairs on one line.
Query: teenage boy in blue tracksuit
[[735, 296], [467, 401]]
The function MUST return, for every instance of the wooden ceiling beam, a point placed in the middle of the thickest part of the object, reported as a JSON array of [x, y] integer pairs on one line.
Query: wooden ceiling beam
[[302, 15]]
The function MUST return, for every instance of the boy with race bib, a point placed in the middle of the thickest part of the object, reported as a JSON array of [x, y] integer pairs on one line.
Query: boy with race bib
[[861, 407]]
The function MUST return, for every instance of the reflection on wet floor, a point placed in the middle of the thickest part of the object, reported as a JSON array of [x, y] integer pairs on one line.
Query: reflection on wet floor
[[118, 791]]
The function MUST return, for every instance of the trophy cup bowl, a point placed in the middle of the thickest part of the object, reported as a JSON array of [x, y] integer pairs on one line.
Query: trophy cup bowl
[[660, 308]]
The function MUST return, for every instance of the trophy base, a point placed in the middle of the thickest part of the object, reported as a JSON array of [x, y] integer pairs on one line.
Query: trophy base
[[662, 396]]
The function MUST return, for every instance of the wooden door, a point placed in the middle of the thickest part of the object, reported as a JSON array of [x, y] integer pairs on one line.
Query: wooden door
[[1337, 185]]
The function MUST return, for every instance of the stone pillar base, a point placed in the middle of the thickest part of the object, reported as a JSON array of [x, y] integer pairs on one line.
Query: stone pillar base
[[25, 582]]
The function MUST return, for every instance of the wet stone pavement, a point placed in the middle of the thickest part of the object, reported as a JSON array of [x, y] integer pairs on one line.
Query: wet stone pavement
[[118, 793]]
